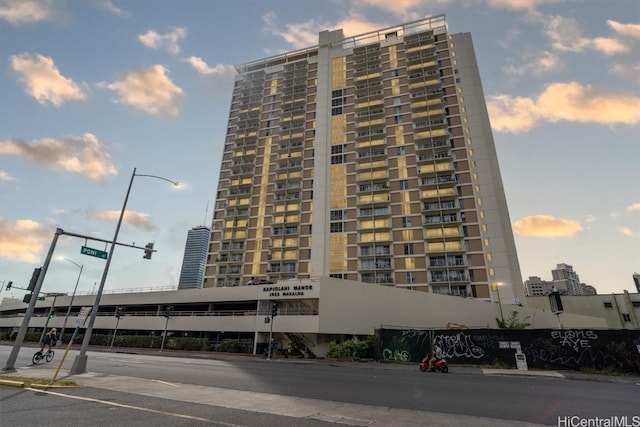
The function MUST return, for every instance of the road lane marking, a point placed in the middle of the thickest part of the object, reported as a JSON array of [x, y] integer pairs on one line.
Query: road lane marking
[[139, 408]]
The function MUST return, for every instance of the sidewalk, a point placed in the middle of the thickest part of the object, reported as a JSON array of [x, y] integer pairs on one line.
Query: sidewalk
[[370, 364]]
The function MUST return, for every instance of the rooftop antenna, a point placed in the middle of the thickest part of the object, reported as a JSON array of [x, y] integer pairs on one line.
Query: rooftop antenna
[[206, 211]]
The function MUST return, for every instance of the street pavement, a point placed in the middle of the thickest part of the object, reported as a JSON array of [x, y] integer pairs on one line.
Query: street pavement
[[296, 407]]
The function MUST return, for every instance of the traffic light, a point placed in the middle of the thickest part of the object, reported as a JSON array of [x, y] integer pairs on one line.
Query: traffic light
[[167, 311], [148, 251], [274, 309], [119, 311], [27, 298], [9, 285], [34, 279], [52, 314]]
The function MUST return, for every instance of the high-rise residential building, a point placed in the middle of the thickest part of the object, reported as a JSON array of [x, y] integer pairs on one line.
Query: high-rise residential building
[[366, 158], [636, 281], [195, 258], [535, 286], [564, 277]]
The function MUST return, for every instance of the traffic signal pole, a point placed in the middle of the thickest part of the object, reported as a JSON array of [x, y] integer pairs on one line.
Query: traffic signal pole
[[11, 361], [49, 316]]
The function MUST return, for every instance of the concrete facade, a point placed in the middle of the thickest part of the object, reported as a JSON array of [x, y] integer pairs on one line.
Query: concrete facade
[[620, 311], [366, 158], [318, 311]]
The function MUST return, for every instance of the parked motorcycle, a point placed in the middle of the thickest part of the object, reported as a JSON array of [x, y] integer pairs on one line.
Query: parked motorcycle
[[439, 366]]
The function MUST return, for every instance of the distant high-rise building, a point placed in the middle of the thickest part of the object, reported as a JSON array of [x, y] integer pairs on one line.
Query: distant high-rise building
[[636, 281], [366, 158], [565, 277], [195, 258], [535, 286]]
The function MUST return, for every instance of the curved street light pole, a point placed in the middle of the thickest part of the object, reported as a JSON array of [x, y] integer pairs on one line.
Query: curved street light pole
[[496, 287], [66, 317], [80, 362]]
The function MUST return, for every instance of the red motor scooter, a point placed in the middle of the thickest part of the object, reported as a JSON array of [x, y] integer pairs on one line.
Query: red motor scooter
[[439, 366]]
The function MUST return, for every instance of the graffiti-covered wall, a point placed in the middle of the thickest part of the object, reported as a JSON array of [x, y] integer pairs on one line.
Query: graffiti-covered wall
[[568, 349]]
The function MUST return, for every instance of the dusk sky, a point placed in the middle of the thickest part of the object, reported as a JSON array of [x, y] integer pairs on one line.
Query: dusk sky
[[91, 89]]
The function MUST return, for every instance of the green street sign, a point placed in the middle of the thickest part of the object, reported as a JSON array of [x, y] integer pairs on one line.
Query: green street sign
[[93, 252], [40, 298]]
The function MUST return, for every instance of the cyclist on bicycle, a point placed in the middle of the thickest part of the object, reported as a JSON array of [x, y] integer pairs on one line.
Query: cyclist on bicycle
[[49, 340]]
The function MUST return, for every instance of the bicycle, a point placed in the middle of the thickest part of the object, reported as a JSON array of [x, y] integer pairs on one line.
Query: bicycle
[[39, 355]]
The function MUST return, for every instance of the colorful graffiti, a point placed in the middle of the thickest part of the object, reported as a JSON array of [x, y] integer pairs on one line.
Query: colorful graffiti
[[571, 349]]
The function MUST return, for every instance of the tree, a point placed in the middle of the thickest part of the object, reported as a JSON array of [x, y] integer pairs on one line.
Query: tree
[[513, 321]]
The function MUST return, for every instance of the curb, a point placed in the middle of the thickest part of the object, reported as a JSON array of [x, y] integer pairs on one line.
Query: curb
[[10, 383]]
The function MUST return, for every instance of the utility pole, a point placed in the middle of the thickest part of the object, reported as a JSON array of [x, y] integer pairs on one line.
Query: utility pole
[[11, 361], [273, 307], [167, 314], [119, 314]]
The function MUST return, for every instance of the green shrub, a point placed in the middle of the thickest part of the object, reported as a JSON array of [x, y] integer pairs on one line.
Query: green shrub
[[236, 346], [352, 349]]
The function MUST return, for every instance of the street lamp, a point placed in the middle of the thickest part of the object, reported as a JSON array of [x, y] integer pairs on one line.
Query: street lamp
[[66, 317], [496, 288], [80, 362]]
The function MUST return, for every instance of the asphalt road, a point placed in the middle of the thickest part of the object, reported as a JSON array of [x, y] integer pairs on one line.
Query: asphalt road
[[353, 394], [100, 407]]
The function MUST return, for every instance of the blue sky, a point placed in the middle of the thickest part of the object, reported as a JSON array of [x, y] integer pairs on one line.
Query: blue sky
[[91, 89]]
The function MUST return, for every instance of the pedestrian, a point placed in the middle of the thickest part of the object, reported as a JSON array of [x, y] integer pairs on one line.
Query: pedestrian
[[274, 348]]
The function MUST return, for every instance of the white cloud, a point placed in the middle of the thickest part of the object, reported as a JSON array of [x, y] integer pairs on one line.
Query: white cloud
[[149, 90], [5, 177], [43, 80], [523, 5], [630, 71], [627, 231], [406, 10], [535, 64], [566, 35], [546, 226], [222, 75], [562, 101], [109, 6], [168, 41], [609, 46], [22, 240], [305, 34], [136, 219], [84, 155], [18, 12], [631, 30], [203, 68]]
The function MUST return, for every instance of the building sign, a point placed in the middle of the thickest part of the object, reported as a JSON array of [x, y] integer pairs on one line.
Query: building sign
[[287, 290]]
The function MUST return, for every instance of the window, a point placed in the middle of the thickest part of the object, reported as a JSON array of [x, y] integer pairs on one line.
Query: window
[[411, 277], [337, 275], [607, 305], [336, 154], [401, 151], [337, 215], [408, 249], [404, 184], [626, 317], [406, 222], [338, 99], [336, 227], [395, 73]]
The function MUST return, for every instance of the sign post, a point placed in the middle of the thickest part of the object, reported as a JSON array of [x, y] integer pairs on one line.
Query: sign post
[[82, 316], [93, 252]]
